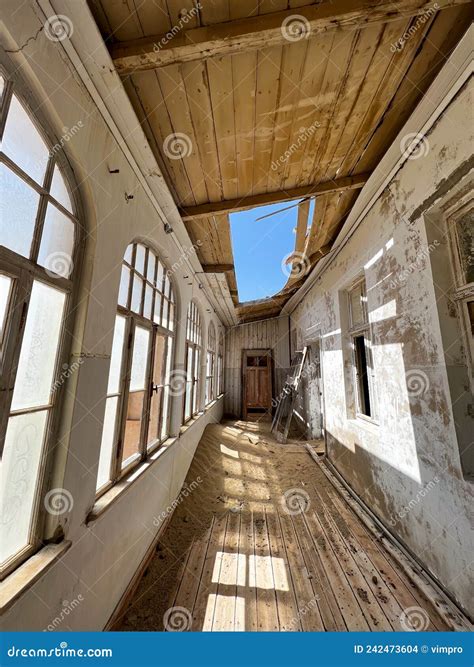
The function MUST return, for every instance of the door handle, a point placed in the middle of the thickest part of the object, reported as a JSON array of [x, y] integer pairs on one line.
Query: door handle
[[153, 389]]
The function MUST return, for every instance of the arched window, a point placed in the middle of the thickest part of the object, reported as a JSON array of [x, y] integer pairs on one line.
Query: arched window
[[138, 394], [38, 246], [193, 361], [220, 363], [211, 364]]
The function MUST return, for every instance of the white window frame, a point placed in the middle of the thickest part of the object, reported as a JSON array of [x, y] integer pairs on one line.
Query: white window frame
[[211, 364], [193, 346], [25, 271], [356, 330], [220, 362], [163, 290]]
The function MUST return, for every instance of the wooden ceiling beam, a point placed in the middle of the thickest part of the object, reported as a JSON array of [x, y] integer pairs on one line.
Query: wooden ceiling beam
[[217, 268], [244, 203], [180, 45]]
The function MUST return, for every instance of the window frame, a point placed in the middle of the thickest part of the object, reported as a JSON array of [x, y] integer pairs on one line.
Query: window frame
[[194, 340], [356, 331], [24, 271], [463, 292], [133, 320], [211, 364], [220, 362]]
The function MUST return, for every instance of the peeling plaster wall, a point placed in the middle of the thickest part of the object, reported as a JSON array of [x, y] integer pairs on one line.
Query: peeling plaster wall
[[268, 334], [104, 554], [407, 467]]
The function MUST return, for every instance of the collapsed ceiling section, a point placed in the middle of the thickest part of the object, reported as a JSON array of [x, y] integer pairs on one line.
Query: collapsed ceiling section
[[251, 103]]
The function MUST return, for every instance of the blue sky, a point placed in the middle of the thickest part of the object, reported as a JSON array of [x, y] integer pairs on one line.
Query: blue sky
[[259, 248]]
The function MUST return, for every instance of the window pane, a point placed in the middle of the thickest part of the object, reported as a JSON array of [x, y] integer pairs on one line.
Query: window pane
[[147, 306], [57, 243], [129, 253], [124, 284], [139, 359], [23, 143], [466, 245], [159, 276], [156, 317], [165, 313], [187, 409], [150, 271], [155, 417], [39, 349], [140, 259], [133, 425], [5, 291], [59, 190], [18, 208], [137, 294], [171, 318], [357, 299], [2, 86], [19, 471], [157, 378], [116, 357], [164, 426], [107, 443]]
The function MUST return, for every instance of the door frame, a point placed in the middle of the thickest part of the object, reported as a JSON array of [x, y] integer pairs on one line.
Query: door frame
[[253, 352], [317, 338]]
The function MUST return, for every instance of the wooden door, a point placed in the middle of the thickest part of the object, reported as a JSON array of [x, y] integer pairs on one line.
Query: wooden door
[[257, 382]]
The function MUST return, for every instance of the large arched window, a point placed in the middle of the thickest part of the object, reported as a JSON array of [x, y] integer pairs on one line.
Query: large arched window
[[211, 364], [138, 394], [38, 251], [220, 363], [193, 361]]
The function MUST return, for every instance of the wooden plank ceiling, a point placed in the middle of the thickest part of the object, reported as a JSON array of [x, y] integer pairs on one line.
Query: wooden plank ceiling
[[238, 112]]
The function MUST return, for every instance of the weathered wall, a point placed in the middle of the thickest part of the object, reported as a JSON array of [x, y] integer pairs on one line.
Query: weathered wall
[[407, 466], [267, 334], [104, 554]]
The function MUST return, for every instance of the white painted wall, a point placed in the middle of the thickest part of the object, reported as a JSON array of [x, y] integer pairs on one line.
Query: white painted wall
[[105, 554], [391, 463]]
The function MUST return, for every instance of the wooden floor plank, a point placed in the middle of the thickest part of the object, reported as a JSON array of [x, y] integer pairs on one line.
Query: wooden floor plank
[[267, 615], [225, 608], [248, 593]]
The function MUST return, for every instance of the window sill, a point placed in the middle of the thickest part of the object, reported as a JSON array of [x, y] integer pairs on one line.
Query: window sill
[[27, 574], [365, 422], [117, 490]]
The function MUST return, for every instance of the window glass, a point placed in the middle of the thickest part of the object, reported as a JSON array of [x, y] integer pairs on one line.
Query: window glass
[[5, 291], [23, 143], [465, 228], [18, 209], [57, 243], [59, 190], [34, 378]]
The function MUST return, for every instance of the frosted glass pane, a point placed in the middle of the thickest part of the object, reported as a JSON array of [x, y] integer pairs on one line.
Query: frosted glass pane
[[137, 294], [39, 349], [148, 304], [124, 283], [157, 314], [57, 243], [116, 356], [171, 318], [139, 359], [150, 270], [159, 276], [107, 443], [19, 476], [59, 190], [128, 253], [165, 313], [2, 86], [18, 207], [164, 424], [140, 259], [5, 288], [23, 143]]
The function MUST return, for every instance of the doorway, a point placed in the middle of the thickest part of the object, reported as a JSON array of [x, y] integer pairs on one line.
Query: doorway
[[257, 386], [314, 391]]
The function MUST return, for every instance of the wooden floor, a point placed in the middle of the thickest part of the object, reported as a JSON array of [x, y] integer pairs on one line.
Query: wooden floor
[[264, 541]]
